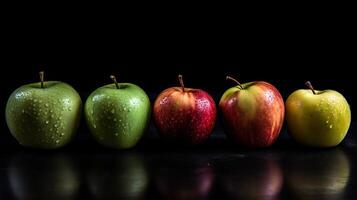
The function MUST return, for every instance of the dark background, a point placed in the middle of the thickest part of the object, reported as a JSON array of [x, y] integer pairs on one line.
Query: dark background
[[83, 46]]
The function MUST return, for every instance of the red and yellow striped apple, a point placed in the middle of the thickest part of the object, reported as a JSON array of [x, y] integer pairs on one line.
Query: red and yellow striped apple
[[252, 113], [184, 115]]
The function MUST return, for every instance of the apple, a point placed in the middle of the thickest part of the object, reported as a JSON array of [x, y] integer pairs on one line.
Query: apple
[[317, 118], [252, 113], [43, 176], [44, 115], [117, 114], [184, 115], [318, 174]]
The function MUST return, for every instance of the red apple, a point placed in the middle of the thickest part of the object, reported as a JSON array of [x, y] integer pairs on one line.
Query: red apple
[[184, 115], [252, 113]]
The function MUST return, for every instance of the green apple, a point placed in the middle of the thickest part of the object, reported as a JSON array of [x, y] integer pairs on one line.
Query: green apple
[[317, 118], [118, 114], [44, 115]]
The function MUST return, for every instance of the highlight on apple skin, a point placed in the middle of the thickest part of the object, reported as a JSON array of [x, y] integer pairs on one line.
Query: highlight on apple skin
[[184, 115], [317, 118], [252, 113]]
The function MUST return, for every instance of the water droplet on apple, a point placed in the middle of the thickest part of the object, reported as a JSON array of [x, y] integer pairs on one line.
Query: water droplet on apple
[[116, 134], [94, 126], [327, 121], [113, 111], [57, 141], [92, 112], [55, 125], [51, 111], [163, 101], [124, 109], [70, 109], [47, 122], [40, 101], [115, 119], [57, 131], [59, 117], [23, 111], [51, 129], [52, 115], [331, 126], [129, 110], [62, 134]]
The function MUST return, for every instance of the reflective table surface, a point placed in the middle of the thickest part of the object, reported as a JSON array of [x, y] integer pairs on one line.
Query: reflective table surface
[[153, 170]]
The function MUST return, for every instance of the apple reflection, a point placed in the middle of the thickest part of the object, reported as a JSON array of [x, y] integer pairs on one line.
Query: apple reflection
[[183, 180], [251, 178], [43, 176], [318, 175], [122, 176]]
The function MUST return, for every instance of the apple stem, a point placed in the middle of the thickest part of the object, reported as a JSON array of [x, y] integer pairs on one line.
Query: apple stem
[[42, 76], [181, 82], [309, 85], [115, 81], [236, 81]]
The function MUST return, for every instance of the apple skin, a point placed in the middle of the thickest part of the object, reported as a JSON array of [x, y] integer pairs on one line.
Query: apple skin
[[184, 116], [118, 118], [318, 120], [46, 117], [252, 116]]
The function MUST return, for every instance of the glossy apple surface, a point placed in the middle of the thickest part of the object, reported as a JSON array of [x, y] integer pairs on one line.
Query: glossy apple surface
[[318, 118], [252, 113], [44, 115], [118, 114], [184, 115]]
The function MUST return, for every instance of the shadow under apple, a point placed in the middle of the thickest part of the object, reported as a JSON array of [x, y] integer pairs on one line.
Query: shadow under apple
[[43, 176]]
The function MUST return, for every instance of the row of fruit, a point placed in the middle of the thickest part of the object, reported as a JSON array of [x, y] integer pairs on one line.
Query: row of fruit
[[47, 114]]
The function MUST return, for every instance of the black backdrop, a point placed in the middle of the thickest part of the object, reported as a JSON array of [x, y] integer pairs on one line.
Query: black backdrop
[[151, 52]]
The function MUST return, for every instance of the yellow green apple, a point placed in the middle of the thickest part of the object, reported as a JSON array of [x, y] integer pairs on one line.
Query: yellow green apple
[[317, 118]]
